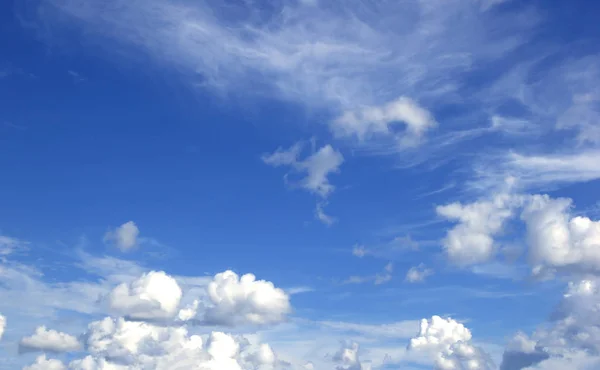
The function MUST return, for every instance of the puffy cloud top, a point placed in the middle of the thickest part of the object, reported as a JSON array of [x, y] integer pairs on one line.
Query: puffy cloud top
[[245, 300], [557, 240], [124, 237], [154, 295], [450, 344], [471, 241], [50, 341], [438, 333], [42, 363]]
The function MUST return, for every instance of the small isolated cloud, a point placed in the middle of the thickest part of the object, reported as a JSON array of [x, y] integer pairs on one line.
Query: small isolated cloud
[[380, 120], [154, 295], [418, 274], [359, 251], [43, 363], [379, 278], [77, 77], [244, 300], [124, 237], [316, 167], [322, 216], [49, 341]]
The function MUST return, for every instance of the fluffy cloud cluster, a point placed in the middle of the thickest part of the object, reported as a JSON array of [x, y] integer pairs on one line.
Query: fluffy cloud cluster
[[49, 341], [124, 237], [144, 339], [418, 274], [449, 342], [230, 300], [570, 340], [116, 343], [154, 295], [556, 240], [245, 300], [472, 240]]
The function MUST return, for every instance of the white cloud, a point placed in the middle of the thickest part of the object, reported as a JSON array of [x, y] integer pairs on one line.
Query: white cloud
[[49, 341], [379, 120], [322, 216], [418, 274], [328, 53], [245, 300], [317, 167], [124, 237], [348, 359], [557, 240], [43, 363], [571, 339], [402, 329], [439, 333], [141, 345], [155, 295], [379, 278], [359, 251], [472, 240], [449, 343], [2, 325], [9, 245], [520, 342], [541, 170]]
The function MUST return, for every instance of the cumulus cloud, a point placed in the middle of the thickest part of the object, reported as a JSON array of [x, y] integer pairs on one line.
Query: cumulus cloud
[[449, 343], [316, 167], [571, 339], [522, 352], [555, 239], [558, 240], [379, 120], [116, 343], [471, 241], [124, 237], [418, 274], [245, 300], [49, 341], [43, 363], [155, 295], [348, 359]]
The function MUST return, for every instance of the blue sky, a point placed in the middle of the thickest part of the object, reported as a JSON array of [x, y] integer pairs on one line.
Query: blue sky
[[372, 164]]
